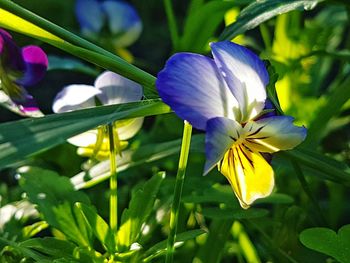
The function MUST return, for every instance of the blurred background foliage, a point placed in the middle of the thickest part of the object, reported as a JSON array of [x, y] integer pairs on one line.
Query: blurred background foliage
[[310, 53]]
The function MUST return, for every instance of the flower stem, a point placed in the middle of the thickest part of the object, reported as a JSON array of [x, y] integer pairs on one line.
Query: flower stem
[[174, 216], [113, 183]]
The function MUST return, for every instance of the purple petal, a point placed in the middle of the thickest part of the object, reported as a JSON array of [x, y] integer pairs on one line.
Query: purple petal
[[90, 16], [11, 56], [245, 74], [192, 86], [116, 89], [123, 21], [36, 65], [221, 134]]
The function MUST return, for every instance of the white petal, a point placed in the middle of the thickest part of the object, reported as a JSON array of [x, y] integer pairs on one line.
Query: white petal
[[75, 97], [116, 89], [273, 134], [245, 74], [85, 139], [128, 128]]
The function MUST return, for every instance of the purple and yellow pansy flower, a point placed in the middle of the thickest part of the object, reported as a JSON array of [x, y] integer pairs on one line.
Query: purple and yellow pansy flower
[[109, 88], [225, 96], [121, 19], [20, 68]]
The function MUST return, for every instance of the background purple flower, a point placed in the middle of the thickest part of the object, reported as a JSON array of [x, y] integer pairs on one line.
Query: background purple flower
[[121, 18], [20, 68]]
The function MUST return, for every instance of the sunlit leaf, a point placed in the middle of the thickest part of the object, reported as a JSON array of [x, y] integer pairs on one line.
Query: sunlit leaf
[[260, 11], [99, 227], [140, 207]]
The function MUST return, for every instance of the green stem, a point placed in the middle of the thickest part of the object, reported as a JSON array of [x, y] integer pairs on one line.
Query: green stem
[[172, 23], [305, 186], [174, 216], [71, 39], [113, 183]]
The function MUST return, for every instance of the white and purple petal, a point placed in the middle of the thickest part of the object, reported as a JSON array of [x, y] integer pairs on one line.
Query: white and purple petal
[[123, 21], [221, 134], [245, 74], [75, 97], [194, 88], [90, 16], [36, 63], [116, 89], [273, 134]]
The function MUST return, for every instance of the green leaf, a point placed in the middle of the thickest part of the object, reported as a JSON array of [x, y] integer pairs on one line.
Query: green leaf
[[236, 213], [131, 158], [54, 195], [58, 63], [331, 169], [271, 88], [261, 11], [57, 249], [208, 16], [140, 207], [33, 229], [160, 248], [99, 227], [327, 241], [335, 101], [276, 198], [23, 138]]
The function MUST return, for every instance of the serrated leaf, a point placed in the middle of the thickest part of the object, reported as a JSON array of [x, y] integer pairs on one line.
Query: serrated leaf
[[54, 196], [261, 11], [140, 207], [99, 227], [327, 241], [23, 138]]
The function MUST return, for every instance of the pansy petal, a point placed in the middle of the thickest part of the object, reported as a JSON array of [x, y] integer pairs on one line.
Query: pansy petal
[[127, 129], [75, 97], [90, 16], [36, 64], [250, 175], [11, 56], [193, 87], [221, 134], [273, 134], [116, 89], [123, 21], [245, 74], [84, 139]]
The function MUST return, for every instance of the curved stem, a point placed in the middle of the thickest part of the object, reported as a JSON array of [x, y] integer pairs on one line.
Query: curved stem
[[113, 183], [174, 216]]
